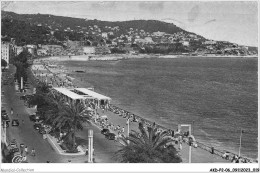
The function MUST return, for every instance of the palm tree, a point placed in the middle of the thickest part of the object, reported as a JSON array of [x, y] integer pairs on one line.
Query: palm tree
[[70, 116], [148, 146]]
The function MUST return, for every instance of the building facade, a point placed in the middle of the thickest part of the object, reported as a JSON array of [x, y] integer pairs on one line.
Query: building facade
[[5, 53]]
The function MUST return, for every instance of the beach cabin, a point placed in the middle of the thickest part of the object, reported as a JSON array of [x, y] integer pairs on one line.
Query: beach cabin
[[69, 96], [98, 99]]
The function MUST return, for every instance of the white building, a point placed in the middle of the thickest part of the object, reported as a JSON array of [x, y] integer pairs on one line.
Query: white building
[[42, 52], [104, 35], [89, 50], [18, 50], [148, 39], [158, 34], [185, 43], [31, 50], [210, 42], [5, 52], [31, 46]]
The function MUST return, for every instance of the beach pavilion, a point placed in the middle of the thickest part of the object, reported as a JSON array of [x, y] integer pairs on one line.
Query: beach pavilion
[[69, 96], [99, 99]]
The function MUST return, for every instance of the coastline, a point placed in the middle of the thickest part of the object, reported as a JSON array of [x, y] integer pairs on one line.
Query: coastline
[[116, 57], [80, 83]]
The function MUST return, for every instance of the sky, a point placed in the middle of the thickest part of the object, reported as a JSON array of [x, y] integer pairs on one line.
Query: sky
[[234, 21]]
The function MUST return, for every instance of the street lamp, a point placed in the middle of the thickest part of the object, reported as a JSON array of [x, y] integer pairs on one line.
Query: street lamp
[[241, 132], [128, 128], [90, 146], [186, 125]]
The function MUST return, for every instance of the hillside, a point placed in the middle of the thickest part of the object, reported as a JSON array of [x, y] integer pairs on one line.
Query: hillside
[[61, 22], [144, 36], [77, 27]]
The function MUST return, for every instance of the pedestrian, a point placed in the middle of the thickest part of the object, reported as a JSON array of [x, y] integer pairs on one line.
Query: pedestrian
[[24, 158], [180, 146], [123, 130], [116, 137], [21, 149], [26, 150], [212, 150], [86, 153], [33, 152], [12, 111]]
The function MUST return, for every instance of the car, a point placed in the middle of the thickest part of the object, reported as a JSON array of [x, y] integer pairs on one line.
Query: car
[[104, 131], [110, 136], [37, 126], [15, 122], [3, 111], [13, 147], [5, 118], [32, 117]]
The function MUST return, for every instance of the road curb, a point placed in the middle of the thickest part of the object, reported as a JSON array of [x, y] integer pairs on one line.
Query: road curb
[[60, 151]]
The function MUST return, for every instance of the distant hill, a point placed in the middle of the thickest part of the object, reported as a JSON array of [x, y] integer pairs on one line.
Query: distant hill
[[64, 22], [50, 29], [60, 23]]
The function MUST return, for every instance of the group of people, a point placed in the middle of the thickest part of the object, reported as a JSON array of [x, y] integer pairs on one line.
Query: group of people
[[235, 158], [24, 151], [55, 79]]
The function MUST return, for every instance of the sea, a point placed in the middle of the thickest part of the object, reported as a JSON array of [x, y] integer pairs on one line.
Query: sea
[[217, 96]]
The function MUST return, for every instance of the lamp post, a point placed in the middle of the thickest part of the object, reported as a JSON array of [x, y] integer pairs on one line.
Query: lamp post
[[128, 128], [186, 125], [21, 82], [241, 132], [90, 146]]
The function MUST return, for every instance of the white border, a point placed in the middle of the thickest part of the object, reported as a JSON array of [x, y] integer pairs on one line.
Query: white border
[[96, 167]]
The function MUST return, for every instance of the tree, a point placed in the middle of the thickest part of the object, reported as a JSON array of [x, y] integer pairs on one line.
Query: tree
[[3, 63], [71, 117], [148, 146]]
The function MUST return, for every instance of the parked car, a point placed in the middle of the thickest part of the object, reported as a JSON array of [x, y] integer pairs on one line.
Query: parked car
[[110, 136], [33, 117], [15, 122], [3, 111], [37, 126], [5, 117], [105, 131], [13, 146]]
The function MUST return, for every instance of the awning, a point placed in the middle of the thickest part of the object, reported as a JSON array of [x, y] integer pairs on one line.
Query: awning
[[69, 93], [93, 94]]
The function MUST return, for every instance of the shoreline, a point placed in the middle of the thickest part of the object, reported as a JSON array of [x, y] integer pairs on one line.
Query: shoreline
[[116, 57], [81, 83]]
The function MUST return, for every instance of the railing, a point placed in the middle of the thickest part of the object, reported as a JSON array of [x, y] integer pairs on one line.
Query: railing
[[209, 149]]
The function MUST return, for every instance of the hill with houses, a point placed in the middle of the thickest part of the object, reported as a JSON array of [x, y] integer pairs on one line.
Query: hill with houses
[[138, 36]]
